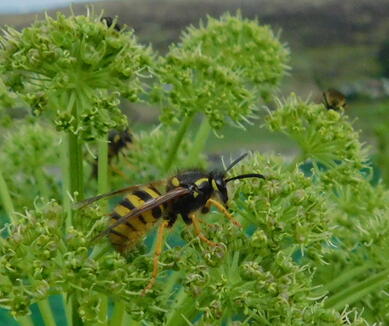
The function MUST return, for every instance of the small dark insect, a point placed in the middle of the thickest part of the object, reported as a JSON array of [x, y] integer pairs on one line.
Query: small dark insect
[[109, 21], [334, 100], [187, 194], [118, 142]]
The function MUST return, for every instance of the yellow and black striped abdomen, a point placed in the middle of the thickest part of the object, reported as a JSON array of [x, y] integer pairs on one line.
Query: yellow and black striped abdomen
[[128, 234]]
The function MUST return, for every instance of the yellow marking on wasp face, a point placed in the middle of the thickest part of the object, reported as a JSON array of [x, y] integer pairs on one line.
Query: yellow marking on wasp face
[[195, 194], [121, 210], [175, 182], [214, 185], [116, 139], [200, 181]]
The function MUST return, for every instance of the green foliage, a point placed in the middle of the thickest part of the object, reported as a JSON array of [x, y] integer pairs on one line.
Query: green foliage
[[54, 58], [196, 76], [313, 246], [322, 135], [247, 48], [382, 57], [30, 163], [144, 160]]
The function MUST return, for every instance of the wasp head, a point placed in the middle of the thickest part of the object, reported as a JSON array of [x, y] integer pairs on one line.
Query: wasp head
[[219, 182]]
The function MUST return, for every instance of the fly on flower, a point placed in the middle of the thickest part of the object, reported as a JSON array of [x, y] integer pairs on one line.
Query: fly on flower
[[186, 194], [109, 21], [334, 100]]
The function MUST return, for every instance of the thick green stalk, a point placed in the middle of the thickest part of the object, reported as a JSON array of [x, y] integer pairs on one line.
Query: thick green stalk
[[199, 142], [75, 166], [102, 176], [6, 199], [41, 182], [46, 312], [103, 309], [102, 184], [118, 314], [76, 319], [75, 150], [75, 174], [346, 276], [184, 306], [66, 183], [25, 321], [68, 310], [177, 141], [357, 291]]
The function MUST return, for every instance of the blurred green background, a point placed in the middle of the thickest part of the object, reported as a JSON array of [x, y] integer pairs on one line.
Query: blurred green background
[[333, 44]]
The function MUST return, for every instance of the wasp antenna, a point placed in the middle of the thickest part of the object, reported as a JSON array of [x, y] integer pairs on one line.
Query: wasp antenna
[[236, 161], [245, 176]]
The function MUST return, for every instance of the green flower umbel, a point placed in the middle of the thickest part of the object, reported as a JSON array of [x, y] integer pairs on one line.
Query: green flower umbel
[[219, 70], [74, 68]]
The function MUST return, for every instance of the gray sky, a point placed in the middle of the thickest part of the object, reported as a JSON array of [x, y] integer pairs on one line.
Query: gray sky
[[24, 6]]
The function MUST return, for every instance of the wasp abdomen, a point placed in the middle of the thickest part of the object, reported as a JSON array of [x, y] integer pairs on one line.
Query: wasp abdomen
[[126, 235]]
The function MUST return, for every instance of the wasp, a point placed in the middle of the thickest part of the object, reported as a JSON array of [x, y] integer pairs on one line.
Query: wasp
[[109, 21], [186, 195], [118, 141], [334, 100]]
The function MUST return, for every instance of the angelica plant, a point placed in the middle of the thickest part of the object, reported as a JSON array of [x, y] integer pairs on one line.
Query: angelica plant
[[312, 246], [196, 77], [74, 70], [356, 266]]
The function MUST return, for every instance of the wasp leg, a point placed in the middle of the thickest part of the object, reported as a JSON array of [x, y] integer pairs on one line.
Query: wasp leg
[[117, 171], [222, 210], [197, 228], [157, 253]]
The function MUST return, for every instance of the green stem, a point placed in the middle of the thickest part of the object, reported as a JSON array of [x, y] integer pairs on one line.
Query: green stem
[[103, 311], [177, 141], [6, 199], [42, 185], [102, 184], [199, 142], [66, 183], [46, 312], [170, 283], [75, 150], [76, 319], [346, 276], [118, 314], [102, 177], [68, 302], [184, 306], [75, 174], [75, 166], [25, 321], [357, 291]]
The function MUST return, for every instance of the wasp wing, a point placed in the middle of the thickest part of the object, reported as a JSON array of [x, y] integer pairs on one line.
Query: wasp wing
[[172, 194], [91, 200]]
